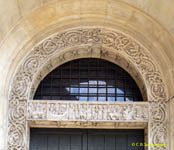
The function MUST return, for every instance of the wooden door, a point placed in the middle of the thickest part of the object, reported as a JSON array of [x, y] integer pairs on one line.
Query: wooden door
[[78, 139]]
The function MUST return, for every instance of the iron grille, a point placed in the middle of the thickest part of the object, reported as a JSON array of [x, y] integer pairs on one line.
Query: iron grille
[[88, 79]]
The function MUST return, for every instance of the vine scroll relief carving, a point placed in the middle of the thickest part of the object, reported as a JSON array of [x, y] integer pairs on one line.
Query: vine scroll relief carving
[[136, 53]]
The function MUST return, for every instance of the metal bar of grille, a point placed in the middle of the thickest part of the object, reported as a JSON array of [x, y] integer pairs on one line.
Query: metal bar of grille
[[88, 79]]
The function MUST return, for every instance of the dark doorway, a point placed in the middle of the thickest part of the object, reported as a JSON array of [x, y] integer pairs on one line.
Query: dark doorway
[[85, 139]]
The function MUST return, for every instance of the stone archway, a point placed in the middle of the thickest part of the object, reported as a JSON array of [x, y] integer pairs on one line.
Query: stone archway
[[88, 51], [128, 47]]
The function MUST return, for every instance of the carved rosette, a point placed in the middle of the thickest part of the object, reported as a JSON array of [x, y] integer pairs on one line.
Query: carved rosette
[[121, 43]]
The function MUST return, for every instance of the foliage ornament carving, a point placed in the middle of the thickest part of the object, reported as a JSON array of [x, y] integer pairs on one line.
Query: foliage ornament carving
[[132, 50]]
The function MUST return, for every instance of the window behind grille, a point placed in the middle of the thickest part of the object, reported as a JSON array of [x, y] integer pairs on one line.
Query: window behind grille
[[88, 79]]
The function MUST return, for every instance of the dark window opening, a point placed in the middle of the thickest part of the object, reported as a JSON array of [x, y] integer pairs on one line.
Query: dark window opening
[[88, 80]]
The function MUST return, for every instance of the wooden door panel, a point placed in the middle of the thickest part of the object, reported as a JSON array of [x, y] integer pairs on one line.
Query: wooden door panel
[[53, 142], [96, 142], [73, 139], [65, 142], [121, 142], [76, 142], [110, 143]]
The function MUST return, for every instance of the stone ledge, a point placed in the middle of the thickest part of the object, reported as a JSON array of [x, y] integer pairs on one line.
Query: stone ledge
[[86, 124]]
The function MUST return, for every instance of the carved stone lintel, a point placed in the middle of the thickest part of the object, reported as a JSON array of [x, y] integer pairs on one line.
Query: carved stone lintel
[[87, 111]]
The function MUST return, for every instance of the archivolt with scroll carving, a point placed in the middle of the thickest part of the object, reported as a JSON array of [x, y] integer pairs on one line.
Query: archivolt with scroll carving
[[104, 38]]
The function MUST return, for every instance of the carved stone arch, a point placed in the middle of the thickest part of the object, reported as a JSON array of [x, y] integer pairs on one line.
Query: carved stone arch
[[87, 51], [103, 38]]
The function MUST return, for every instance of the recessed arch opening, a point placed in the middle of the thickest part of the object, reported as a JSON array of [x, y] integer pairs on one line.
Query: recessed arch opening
[[88, 79]]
